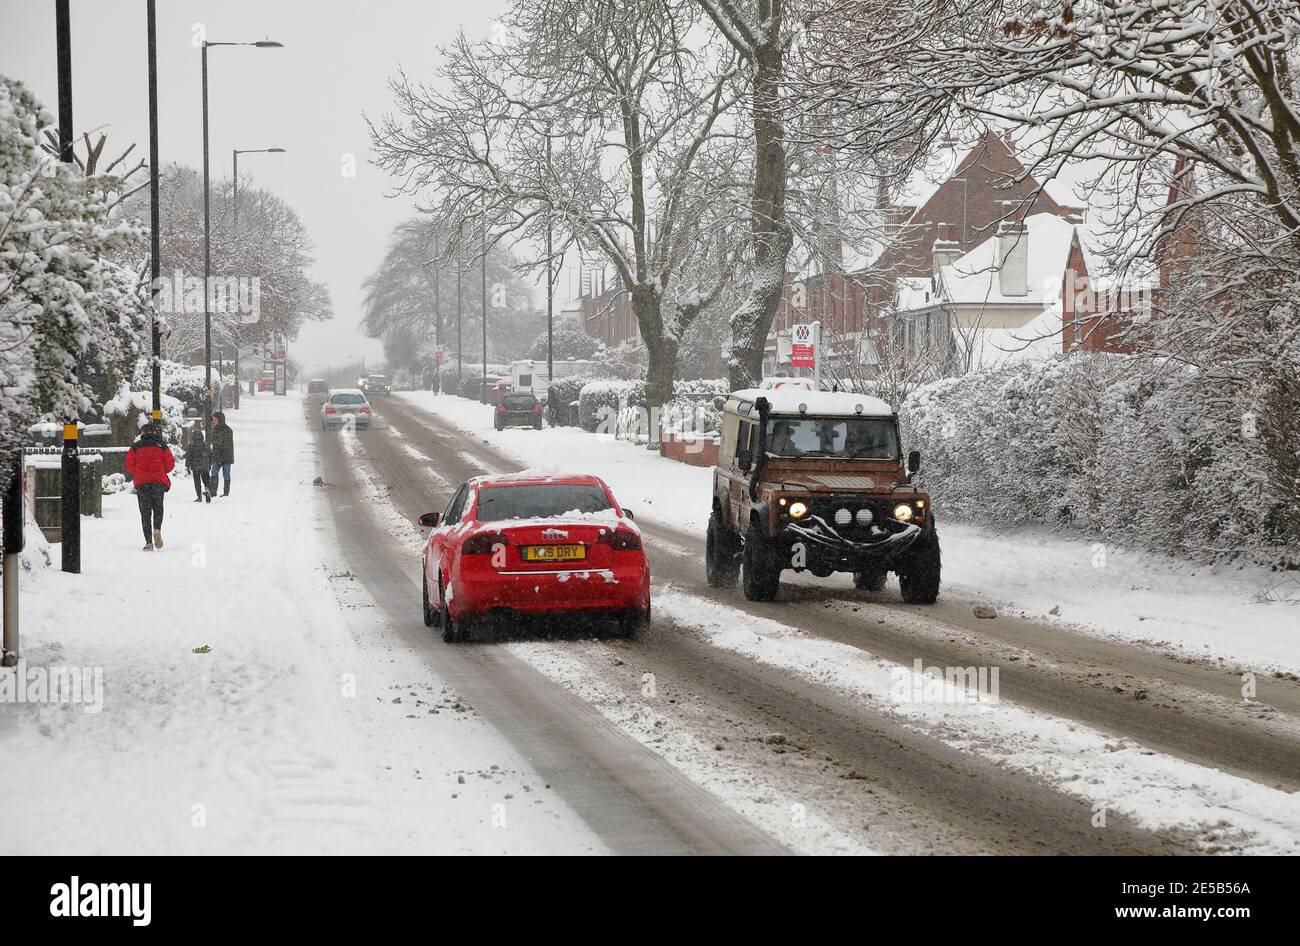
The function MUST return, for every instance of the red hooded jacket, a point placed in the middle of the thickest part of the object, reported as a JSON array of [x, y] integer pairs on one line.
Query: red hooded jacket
[[150, 460]]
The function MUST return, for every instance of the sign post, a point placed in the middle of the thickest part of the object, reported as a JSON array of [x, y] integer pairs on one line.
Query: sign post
[[806, 349]]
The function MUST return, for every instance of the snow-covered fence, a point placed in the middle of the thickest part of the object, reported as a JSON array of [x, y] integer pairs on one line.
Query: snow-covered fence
[[1140, 453]]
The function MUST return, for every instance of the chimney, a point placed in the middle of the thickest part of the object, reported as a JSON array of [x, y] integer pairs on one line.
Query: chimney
[[945, 251], [1013, 259]]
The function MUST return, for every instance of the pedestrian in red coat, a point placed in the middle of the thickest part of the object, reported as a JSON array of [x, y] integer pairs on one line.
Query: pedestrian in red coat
[[148, 463]]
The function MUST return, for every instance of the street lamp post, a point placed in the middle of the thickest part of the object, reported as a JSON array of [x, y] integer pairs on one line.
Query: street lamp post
[[235, 153], [207, 233]]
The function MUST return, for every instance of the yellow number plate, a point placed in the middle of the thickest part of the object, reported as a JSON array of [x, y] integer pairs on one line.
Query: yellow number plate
[[554, 553]]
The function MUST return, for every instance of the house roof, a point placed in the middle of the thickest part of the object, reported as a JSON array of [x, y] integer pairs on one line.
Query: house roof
[[973, 279]]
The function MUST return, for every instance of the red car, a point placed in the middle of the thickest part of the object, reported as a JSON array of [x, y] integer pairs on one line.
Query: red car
[[528, 544]]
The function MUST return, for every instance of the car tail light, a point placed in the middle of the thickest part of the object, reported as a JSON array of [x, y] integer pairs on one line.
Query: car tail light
[[621, 540], [537, 408], [329, 410], [501, 409], [365, 410], [483, 543]]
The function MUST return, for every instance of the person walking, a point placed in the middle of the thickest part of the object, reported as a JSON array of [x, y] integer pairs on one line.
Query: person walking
[[197, 460], [149, 461], [222, 443]]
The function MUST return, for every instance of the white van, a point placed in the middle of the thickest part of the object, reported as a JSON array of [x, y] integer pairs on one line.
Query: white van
[[528, 375]]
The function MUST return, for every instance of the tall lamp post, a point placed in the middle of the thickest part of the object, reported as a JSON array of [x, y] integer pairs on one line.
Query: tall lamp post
[[235, 153], [207, 233]]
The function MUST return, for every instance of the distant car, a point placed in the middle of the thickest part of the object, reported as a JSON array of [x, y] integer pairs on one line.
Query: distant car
[[533, 545], [318, 386], [267, 381], [474, 388], [343, 407], [518, 410], [377, 384]]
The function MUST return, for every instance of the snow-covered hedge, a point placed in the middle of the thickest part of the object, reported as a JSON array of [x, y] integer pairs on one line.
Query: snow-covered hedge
[[125, 410], [561, 393], [609, 394], [1138, 452]]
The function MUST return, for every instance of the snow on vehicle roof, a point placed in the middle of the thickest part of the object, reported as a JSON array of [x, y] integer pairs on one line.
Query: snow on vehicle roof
[[533, 477], [347, 391], [788, 401]]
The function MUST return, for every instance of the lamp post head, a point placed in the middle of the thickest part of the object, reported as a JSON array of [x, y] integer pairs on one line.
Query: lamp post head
[[268, 44]]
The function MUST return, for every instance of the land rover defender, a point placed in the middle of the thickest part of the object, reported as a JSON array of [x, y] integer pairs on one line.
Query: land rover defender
[[816, 481]]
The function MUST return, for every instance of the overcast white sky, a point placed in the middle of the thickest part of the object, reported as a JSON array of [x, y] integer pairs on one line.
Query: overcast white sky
[[307, 97]]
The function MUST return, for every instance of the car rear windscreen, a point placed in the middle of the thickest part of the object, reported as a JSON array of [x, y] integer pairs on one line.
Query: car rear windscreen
[[347, 399], [519, 402], [542, 501]]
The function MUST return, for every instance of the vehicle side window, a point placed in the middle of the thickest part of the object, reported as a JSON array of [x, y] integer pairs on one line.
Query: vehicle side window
[[745, 444], [729, 425], [455, 507]]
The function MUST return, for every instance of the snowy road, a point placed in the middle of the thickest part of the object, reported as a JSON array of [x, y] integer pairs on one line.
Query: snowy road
[[819, 768]]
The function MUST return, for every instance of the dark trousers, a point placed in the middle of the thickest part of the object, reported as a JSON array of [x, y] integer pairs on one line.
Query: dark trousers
[[150, 497], [217, 471], [202, 482]]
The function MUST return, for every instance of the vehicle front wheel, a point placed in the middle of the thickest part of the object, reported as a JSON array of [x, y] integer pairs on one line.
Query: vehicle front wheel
[[870, 579], [760, 570], [919, 578], [721, 563]]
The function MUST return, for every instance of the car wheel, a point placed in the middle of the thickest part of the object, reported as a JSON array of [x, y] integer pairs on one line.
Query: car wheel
[[453, 632], [431, 617], [633, 622], [919, 578], [870, 579], [760, 571], [721, 563], [537, 426]]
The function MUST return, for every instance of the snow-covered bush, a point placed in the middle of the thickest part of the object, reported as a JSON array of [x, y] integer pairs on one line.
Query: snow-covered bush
[[600, 396], [69, 315], [559, 395], [124, 411], [1134, 450]]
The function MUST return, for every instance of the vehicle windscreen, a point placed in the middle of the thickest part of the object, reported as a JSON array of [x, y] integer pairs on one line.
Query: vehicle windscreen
[[856, 438], [347, 399], [519, 402], [541, 501], [378, 379]]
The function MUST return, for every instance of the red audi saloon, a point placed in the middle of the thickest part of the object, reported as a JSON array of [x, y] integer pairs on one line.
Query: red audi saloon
[[529, 544]]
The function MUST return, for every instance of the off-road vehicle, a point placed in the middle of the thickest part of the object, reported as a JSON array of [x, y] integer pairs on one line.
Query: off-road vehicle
[[816, 481]]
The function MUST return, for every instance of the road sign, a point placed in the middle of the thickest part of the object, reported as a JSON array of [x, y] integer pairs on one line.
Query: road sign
[[803, 346]]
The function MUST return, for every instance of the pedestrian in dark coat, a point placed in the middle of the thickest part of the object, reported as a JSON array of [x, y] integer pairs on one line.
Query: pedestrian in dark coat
[[149, 461], [197, 460], [222, 443]]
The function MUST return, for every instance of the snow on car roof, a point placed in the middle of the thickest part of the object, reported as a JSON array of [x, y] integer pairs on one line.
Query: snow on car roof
[[532, 477], [788, 401], [347, 391]]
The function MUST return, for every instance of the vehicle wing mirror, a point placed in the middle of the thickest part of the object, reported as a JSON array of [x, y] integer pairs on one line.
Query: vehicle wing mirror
[[914, 461], [628, 513], [745, 459], [429, 520]]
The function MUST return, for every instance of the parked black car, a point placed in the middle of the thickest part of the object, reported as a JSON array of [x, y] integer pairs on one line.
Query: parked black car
[[518, 410]]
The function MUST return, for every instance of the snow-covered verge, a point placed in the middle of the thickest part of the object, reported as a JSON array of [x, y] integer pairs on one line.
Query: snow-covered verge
[[1114, 774], [1248, 615], [244, 695]]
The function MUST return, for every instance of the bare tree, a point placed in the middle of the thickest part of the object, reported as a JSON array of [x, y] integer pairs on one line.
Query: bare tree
[[604, 122], [761, 37]]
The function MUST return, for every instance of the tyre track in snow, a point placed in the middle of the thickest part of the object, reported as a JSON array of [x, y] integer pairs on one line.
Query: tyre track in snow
[[631, 798], [1182, 708], [945, 798]]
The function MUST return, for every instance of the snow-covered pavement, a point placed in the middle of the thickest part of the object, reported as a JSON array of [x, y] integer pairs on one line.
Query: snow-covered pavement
[[1246, 615], [252, 700]]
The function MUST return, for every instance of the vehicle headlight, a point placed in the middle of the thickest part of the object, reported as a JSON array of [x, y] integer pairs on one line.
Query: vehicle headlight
[[798, 510], [903, 512]]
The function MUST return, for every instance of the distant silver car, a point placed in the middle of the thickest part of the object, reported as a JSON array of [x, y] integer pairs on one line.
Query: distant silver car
[[345, 407]]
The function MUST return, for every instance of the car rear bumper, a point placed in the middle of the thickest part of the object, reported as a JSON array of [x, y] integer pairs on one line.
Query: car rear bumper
[[622, 588]]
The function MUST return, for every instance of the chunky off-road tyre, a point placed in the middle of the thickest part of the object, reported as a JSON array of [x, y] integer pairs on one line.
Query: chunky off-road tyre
[[919, 579], [431, 615], [721, 561], [870, 579], [760, 571]]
